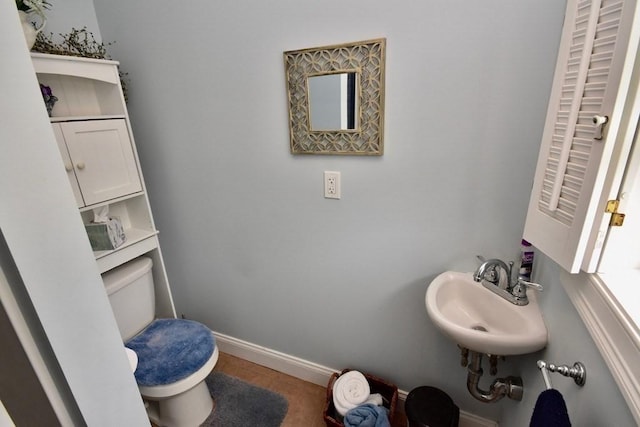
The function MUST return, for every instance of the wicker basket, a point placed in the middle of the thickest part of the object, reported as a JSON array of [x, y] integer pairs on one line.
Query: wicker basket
[[388, 391]]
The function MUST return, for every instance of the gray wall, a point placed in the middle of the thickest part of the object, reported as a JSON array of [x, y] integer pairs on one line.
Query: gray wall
[[65, 15], [253, 249]]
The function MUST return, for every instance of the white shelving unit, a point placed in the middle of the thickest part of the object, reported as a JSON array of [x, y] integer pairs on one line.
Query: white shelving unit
[[98, 151]]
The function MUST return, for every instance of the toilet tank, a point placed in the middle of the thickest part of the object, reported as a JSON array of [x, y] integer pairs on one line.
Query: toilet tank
[[131, 295]]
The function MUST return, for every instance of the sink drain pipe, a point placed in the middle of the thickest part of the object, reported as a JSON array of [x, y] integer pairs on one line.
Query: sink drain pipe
[[501, 387]]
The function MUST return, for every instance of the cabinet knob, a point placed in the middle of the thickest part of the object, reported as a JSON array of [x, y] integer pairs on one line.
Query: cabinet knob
[[80, 165], [598, 123], [68, 167]]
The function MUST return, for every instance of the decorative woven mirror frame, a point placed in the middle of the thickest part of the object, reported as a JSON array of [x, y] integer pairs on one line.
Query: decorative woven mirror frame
[[367, 60]]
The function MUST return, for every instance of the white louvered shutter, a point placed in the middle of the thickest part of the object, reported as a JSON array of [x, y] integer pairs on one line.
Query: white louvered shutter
[[591, 79]]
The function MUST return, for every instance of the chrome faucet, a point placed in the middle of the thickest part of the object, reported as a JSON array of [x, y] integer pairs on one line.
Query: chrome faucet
[[490, 271], [495, 275]]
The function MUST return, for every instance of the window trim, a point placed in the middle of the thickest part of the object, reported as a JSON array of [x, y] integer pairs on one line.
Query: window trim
[[613, 331]]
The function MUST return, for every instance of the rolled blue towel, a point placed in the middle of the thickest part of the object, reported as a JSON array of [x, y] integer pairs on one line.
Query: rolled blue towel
[[367, 415], [550, 410]]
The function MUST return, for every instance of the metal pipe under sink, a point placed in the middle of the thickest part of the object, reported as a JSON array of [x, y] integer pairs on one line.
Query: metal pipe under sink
[[510, 386]]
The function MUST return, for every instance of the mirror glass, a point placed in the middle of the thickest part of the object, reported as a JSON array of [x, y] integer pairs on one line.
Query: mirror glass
[[333, 101], [335, 97]]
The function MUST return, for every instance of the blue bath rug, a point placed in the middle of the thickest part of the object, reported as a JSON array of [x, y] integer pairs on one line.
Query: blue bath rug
[[240, 404]]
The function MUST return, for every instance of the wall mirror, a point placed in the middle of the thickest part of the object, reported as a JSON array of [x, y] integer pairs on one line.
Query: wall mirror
[[332, 101], [336, 98]]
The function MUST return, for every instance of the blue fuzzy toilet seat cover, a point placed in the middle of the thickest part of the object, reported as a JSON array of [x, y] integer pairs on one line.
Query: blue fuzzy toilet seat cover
[[169, 350]]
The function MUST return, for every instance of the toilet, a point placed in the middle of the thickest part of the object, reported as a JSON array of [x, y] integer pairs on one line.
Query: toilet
[[174, 355]]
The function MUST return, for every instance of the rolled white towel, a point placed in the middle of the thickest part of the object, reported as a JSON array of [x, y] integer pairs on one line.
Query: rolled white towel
[[350, 390], [375, 399]]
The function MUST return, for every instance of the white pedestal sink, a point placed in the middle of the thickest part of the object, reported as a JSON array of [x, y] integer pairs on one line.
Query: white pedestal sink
[[481, 321]]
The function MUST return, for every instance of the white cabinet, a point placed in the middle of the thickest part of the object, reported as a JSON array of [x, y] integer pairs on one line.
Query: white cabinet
[[99, 159], [98, 151], [568, 215], [68, 165]]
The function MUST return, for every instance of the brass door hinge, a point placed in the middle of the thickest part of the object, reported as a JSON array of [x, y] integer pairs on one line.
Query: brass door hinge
[[617, 218]]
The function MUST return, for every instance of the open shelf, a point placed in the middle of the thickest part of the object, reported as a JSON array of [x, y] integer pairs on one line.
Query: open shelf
[[84, 87], [134, 235], [104, 70]]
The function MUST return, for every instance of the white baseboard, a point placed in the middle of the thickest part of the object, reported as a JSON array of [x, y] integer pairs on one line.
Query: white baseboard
[[281, 362], [311, 372]]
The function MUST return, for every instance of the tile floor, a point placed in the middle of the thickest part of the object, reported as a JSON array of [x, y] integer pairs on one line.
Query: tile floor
[[306, 400]]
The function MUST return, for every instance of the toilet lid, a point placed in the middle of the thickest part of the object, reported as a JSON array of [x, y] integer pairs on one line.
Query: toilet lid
[[169, 350]]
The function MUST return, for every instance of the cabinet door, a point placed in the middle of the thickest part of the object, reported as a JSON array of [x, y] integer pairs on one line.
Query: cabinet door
[[103, 158], [68, 165], [593, 74]]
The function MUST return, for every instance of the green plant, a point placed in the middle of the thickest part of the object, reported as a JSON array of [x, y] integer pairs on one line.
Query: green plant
[[75, 43]]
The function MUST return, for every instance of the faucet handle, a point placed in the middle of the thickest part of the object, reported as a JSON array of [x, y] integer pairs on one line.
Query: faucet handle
[[519, 290], [536, 286]]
